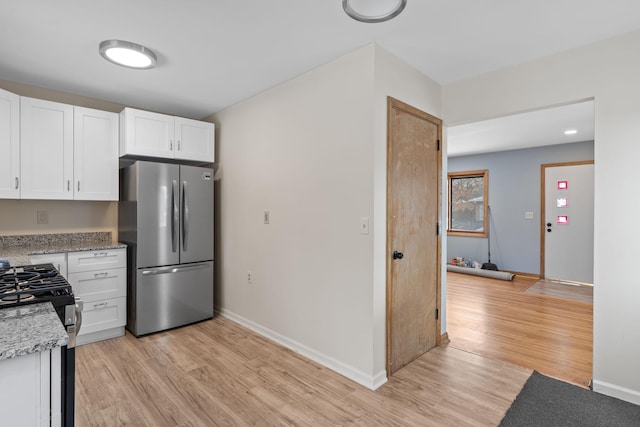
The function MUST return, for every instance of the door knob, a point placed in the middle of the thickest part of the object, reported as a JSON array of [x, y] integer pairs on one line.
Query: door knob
[[397, 255], [548, 224], [548, 230]]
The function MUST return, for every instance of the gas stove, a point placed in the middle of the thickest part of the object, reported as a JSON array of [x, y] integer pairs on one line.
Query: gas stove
[[32, 284]]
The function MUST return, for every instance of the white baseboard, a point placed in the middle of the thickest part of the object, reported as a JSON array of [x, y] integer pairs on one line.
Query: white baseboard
[[368, 381], [613, 390]]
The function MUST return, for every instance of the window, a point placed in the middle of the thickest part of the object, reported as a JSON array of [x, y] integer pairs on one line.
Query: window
[[468, 198]]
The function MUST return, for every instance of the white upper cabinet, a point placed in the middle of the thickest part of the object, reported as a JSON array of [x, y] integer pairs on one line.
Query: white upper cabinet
[[9, 145], [46, 143], [147, 134], [67, 152], [194, 140], [95, 147]]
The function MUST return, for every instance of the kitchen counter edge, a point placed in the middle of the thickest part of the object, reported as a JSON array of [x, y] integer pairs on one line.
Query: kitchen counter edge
[[20, 255], [29, 329]]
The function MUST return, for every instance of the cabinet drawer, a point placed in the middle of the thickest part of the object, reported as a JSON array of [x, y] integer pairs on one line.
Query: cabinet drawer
[[104, 314], [96, 260], [99, 284]]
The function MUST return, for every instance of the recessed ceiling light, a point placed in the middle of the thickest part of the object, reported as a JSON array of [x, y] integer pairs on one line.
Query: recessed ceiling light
[[128, 54], [372, 11], [570, 132]]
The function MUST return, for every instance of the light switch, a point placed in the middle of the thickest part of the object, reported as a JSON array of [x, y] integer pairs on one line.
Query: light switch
[[364, 225], [528, 215]]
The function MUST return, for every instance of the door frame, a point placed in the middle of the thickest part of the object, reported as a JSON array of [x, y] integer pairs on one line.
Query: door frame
[[543, 205], [391, 104]]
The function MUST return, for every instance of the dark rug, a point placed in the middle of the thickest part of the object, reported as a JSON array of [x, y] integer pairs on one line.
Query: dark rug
[[547, 402]]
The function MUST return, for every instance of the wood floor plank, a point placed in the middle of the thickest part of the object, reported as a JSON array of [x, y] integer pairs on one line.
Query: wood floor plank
[[217, 373], [499, 320]]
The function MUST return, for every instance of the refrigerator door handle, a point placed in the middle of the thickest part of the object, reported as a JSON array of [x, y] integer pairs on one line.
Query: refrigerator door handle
[[185, 216], [175, 214], [173, 269]]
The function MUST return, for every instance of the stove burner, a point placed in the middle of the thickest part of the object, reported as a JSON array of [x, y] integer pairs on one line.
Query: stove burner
[[6, 287], [20, 276], [14, 298], [45, 273]]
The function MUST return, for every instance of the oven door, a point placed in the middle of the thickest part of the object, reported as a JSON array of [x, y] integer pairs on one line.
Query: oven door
[[72, 325]]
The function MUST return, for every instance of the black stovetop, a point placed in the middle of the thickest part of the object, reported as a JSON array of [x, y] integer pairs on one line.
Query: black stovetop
[[32, 284]]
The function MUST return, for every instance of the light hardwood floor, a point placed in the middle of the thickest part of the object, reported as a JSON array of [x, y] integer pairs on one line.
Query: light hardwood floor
[[497, 319], [218, 373]]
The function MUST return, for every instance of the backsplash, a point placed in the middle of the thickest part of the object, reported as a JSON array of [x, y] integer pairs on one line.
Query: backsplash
[[62, 239]]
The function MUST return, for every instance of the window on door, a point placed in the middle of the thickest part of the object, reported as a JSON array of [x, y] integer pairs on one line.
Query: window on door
[[468, 200]]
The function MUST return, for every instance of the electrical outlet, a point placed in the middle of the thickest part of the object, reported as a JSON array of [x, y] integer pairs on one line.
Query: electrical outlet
[[249, 277], [43, 217]]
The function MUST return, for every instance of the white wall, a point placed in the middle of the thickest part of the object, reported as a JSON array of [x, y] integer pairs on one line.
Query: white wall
[[312, 151], [302, 151], [609, 72]]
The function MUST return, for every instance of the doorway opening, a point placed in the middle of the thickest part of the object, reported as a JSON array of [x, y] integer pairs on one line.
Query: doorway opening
[[513, 150]]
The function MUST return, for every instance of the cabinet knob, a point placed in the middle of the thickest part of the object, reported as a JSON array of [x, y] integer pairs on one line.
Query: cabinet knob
[[178, 142], [17, 182], [170, 145]]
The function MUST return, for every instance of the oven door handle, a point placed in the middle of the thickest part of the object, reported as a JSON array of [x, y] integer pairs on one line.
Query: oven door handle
[[79, 307]]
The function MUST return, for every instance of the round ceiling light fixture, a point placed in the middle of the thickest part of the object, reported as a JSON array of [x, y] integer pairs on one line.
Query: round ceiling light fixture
[[373, 11], [128, 54]]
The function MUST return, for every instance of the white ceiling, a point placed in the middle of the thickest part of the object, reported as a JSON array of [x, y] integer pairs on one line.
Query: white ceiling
[[525, 130], [213, 53]]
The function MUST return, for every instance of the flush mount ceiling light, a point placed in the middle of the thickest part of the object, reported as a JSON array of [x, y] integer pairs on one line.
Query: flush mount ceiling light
[[128, 54], [373, 11], [570, 132]]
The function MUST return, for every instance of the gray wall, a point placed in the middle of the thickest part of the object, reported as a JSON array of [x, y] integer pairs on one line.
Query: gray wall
[[514, 188]]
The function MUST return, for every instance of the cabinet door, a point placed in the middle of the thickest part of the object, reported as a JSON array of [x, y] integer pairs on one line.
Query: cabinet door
[[46, 143], [95, 146], [146, 134], [9, 145], [194, 140]]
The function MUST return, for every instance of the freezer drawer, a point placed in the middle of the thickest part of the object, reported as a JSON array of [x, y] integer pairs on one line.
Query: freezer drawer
[[167, 297]]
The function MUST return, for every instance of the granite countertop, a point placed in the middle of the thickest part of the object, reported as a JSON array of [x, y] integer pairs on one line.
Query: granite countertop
[[18, 249], [29, 329]]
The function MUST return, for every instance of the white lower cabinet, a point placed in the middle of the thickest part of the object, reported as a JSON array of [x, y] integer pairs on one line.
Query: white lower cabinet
[[31, 389], [99, 278]]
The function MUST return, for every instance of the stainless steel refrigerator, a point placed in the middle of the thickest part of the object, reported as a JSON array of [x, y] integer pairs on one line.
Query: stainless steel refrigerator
[[165, 216]]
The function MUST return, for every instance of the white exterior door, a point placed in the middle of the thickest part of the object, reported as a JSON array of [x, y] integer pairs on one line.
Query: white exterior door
[[568, 222]]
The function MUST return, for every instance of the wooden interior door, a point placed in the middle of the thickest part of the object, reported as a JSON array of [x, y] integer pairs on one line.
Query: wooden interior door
[[413, 241]]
